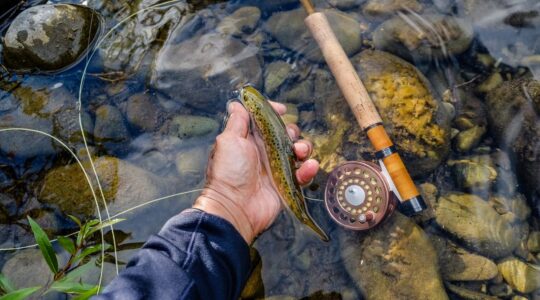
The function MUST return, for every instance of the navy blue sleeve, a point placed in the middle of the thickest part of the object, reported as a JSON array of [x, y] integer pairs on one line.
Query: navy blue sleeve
[[195, 256]]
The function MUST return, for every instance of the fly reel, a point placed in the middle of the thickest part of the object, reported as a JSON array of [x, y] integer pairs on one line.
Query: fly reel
[[359, 195]]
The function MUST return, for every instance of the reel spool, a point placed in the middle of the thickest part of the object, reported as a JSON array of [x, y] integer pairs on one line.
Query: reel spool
[[358, 196]]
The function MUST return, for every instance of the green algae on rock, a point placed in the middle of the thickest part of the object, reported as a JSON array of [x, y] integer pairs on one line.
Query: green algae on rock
[[124, 186], [475, 173], [423, 37], [50, 38], [393, 261], [411, 114], [473, 221]]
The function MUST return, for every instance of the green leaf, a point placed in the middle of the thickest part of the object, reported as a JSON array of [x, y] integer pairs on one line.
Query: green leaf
[[75, 274], [88, 251], [76, 220], [5, 284], [67, 244], [103, 225], [72, 287], [20, 294], [86, 295], [44, 245]]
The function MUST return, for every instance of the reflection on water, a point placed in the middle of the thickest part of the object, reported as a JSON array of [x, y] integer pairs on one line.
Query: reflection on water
[[456, 83]]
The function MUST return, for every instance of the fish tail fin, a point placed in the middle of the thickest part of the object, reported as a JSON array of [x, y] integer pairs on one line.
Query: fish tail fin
[[317, 229]]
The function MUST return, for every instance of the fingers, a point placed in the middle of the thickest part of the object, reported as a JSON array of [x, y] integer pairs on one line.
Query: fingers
[[294, 131], [303, 149], [238, 123], [307, 171], [281, 109]]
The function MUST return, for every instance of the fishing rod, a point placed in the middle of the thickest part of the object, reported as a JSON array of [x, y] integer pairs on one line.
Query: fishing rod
[[343, 182]]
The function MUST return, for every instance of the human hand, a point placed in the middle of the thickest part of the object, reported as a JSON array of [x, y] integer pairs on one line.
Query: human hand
[[238, 188]]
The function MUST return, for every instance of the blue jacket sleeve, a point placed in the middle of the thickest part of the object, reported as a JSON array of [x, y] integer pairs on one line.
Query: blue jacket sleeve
[[195, 256]]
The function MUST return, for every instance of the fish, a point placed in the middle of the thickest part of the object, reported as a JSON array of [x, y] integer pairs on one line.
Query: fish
[[277, 151]]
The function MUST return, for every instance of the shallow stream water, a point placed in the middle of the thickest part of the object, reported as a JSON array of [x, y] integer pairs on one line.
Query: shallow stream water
[[456, 83]]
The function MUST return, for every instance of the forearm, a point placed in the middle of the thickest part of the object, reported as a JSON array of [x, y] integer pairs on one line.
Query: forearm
[[195, 255]]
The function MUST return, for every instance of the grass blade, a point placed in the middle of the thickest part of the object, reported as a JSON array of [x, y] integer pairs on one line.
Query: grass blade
[[67, 244], [5, 284], [44, 245], [86, 295], [20, 294]]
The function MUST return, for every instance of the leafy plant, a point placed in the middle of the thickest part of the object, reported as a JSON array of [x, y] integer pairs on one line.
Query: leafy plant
[[66, 279]]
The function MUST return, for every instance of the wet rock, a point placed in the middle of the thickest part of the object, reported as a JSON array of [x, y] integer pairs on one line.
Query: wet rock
[[476, 224], [217, 65], [458, 264], [468, 139], [413, 117], [275, 74], [492, 82], [191, 164], [533, 243], [289, 30], [243, 20], [516, 205], [522, 276], [25, 144], [39, 105], [394, 261], [326, 148], [50, 37], [109, 125], [254, 287], [291, 116], [344, 4], [467, 294], [143, 112], [502, 290], [188, 126], [474, 172], [123, 184], [390, 7], [134, 45], [27, 268], [440, 36], [513, 119], [297, 93]]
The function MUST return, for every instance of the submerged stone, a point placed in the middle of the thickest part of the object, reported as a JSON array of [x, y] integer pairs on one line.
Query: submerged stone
[[467, 294], [413, 117], [110, 125], [289, 30], [393, 261], [390, 7], [50, 37], [243, 20], [458, 264], [423, 37], [475, 173], [27, 268], [143, 112], [124, 186], [522, 276], [188, 126], [203, 70], [477, 224], [513, 118]]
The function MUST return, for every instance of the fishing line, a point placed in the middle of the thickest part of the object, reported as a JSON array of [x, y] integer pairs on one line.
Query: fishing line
[[314, 199]]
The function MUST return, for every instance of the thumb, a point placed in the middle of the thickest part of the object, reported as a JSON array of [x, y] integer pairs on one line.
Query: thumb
[[238, 122]]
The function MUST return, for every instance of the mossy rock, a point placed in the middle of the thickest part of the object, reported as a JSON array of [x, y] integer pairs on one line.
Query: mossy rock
[[412, 115]]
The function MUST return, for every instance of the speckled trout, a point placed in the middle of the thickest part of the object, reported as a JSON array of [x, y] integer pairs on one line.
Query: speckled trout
[[277, 153]]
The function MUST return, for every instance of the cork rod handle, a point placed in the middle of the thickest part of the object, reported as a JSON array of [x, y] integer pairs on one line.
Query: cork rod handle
[[363, 108]]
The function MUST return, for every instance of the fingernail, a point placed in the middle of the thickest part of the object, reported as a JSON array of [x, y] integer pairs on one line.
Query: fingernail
[[301, 147], [292, 132]]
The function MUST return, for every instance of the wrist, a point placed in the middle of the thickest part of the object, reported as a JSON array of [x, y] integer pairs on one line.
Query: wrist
[[215, 203]]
